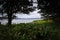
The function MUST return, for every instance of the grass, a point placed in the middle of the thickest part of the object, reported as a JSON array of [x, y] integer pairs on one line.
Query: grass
[[37, 30]]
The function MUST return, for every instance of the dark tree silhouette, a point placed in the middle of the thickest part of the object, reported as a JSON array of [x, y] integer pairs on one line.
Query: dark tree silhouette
[[13, 6], [50, 9]]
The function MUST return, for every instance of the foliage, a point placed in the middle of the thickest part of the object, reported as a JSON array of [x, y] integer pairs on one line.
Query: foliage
[[30, 31], [50, 9]]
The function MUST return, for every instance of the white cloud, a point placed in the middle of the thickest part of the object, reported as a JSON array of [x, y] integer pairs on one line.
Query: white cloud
[[33, 14]]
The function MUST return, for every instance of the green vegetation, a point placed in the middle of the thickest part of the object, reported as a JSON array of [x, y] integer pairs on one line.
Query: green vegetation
[[37, 30]]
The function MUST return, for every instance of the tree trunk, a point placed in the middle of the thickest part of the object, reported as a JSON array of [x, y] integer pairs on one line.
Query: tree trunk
[[9, 19]]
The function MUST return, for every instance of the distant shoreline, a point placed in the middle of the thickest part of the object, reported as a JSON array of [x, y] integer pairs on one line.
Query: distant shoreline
[[22, 18]]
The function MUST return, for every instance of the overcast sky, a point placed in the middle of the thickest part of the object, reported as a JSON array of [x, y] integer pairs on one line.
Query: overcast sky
[[33, 14], [34, 0]]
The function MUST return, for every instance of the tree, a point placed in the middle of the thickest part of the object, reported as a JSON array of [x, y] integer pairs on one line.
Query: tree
[[50, 9], [13, 6]]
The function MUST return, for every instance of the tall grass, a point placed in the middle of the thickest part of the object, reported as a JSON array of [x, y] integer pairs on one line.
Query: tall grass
[[37, 30]]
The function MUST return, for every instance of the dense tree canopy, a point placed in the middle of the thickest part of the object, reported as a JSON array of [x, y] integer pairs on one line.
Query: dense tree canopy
[[50, 9]]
